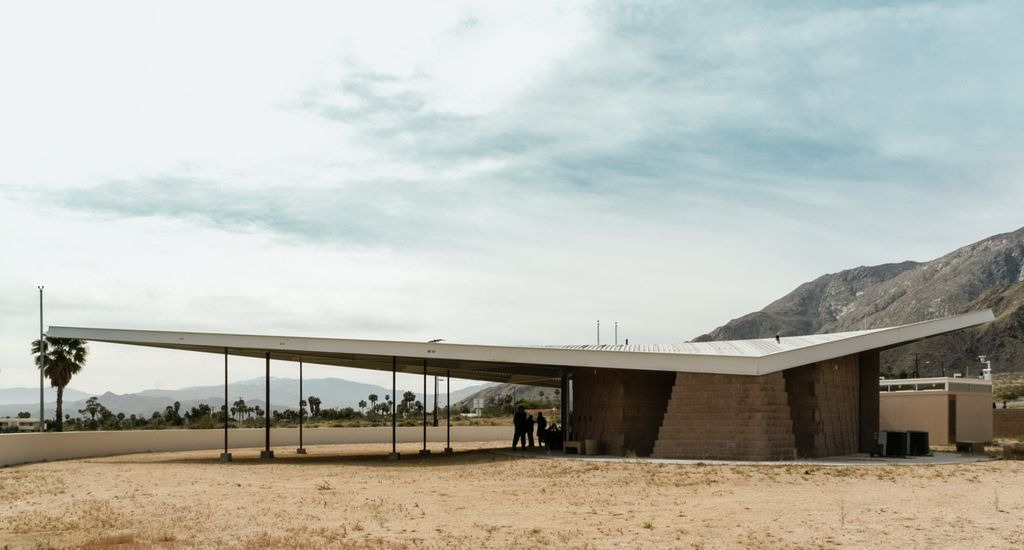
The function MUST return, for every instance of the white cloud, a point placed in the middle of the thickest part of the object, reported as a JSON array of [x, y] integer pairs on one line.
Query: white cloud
[[485, 173]]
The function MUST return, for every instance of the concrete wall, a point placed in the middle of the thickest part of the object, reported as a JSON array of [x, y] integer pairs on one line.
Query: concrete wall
[[918, 411], [20, 448], [973, 416], [929, 411], [1008, 423]]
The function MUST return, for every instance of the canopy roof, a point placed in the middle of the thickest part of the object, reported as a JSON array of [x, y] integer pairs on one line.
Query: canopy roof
[[538, 365]]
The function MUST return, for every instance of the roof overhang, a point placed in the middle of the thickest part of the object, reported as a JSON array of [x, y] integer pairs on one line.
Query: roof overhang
[[536, 365]]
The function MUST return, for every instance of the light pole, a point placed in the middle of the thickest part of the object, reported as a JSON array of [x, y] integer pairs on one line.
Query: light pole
[[616, 333], [42, 359], [599, 332]]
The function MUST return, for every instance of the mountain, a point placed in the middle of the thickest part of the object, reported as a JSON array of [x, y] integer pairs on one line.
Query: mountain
[[986, 274], [10, 396], [284, 394], [499, 391]]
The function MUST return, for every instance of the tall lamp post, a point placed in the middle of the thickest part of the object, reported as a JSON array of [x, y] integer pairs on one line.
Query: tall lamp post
[[42, 359]]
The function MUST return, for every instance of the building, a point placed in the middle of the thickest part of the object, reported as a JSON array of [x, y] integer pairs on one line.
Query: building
[[20, 424], [949, 409], [769, 399]]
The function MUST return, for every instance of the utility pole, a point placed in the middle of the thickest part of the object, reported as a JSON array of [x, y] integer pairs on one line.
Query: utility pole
[[599, 332], [616, 333], [42, 359]]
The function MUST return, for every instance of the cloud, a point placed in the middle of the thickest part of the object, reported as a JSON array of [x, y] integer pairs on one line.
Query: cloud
[[489, 173]]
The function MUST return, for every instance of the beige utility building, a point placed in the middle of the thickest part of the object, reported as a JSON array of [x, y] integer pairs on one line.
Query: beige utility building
[[949, 409], [766, 399]]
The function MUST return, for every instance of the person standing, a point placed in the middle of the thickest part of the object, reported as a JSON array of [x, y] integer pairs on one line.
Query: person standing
[[519, 425], [542, 428], [529, 429]]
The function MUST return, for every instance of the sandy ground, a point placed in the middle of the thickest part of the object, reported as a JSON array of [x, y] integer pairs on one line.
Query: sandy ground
[[351, 497]]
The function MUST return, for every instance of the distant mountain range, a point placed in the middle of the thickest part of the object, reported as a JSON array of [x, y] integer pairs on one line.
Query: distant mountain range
[[986, 274], [284, 394], [31, 395]]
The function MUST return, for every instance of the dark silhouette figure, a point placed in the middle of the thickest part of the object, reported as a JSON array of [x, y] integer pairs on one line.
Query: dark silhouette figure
[[519, 423], [529, 429], [542, 428]]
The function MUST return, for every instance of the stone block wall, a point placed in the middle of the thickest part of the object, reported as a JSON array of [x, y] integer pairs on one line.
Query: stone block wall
[[822, 409], [868, 413], [716, 416], [622, 409], [1008, 422], [823, 402]]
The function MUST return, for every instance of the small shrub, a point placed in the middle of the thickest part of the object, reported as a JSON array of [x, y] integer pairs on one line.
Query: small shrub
[[648, 525]]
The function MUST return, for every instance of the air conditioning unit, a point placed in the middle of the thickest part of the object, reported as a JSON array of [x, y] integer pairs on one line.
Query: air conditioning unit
[[917, 443], [891, 444]]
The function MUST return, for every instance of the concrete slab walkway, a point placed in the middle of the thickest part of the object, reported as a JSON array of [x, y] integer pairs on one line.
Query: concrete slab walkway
[[858, 459]]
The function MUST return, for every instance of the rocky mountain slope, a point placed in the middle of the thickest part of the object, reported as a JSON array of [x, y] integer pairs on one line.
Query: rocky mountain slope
[[986, 274], [498, 392]]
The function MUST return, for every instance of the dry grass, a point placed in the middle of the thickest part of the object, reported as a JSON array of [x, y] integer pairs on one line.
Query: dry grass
[[351, 497]]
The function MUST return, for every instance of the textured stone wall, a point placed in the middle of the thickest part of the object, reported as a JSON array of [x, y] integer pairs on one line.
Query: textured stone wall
[[868, 415], [822, 409], [824, 399], [716, 416], [1008, 422], [622, 409]]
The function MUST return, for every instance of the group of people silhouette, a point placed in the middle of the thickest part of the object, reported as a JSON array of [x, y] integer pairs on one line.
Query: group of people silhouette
[[524, 425]]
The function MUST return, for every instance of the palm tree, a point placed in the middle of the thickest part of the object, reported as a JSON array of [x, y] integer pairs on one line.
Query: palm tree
[[65, 357], [362, 405], [373, 402]]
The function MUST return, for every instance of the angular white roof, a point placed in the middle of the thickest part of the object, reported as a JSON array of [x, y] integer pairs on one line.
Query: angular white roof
[[538, 365]]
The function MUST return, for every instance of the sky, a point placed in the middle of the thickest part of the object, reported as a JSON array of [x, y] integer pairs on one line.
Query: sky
[[489, 173]]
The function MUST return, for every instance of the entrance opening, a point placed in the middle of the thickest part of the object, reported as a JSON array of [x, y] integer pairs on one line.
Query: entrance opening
[[951, 422]]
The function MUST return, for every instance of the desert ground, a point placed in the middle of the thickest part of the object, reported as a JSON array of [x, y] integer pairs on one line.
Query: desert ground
[[351, 497]]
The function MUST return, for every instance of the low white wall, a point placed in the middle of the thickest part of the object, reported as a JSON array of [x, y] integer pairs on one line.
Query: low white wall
[[19, 448]]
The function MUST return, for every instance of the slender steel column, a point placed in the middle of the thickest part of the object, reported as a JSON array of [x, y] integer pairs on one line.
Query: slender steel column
[[448, 411], [565, 410], [42, 361], [301, 450], [424, 450], [267, 453], [394, 451], [225, 456]]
